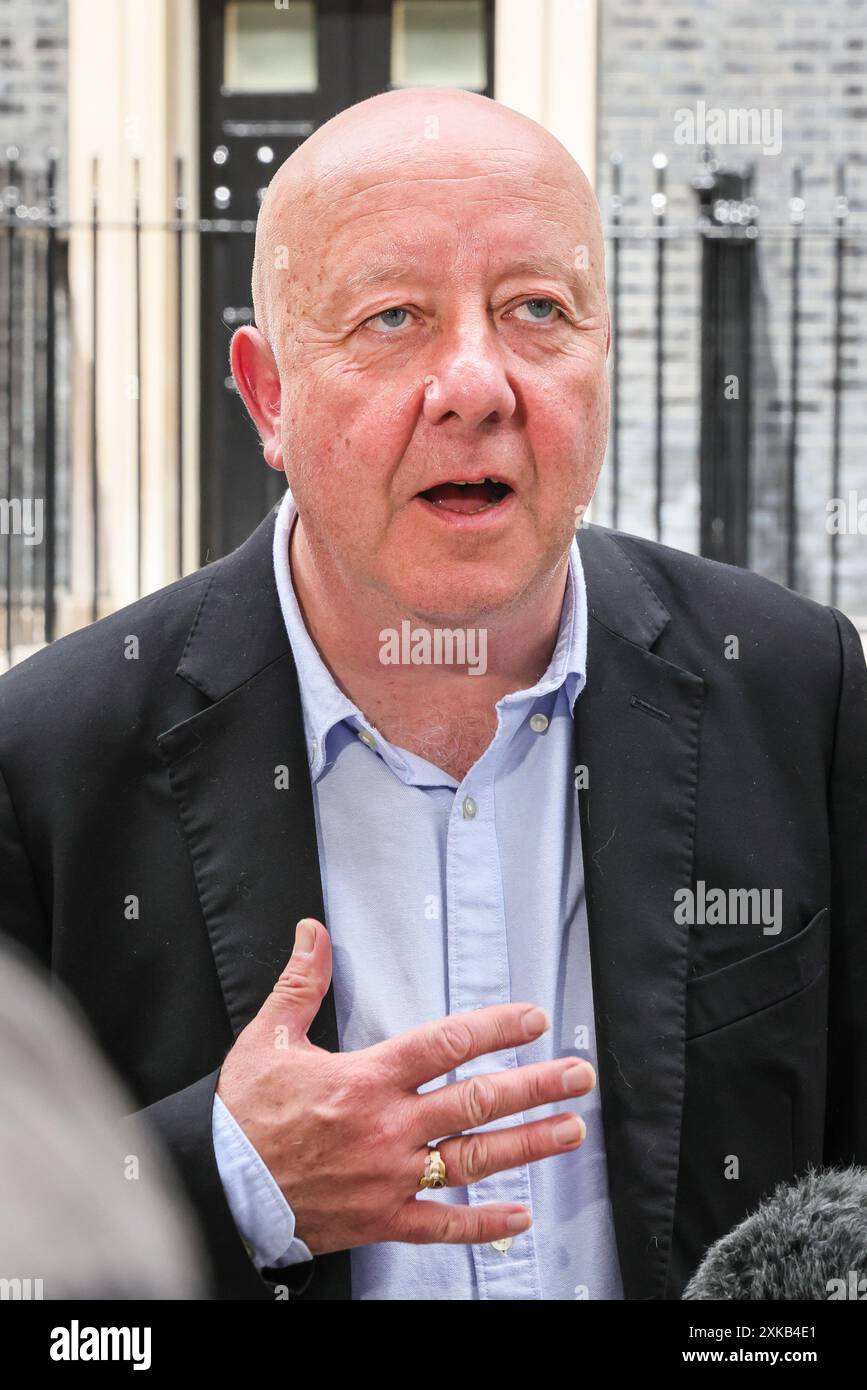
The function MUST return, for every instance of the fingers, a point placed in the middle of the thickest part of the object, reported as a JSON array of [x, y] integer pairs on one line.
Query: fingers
[[474, 1156], [478, 1100], [431, 1050], [429, 1223], [295, 999]]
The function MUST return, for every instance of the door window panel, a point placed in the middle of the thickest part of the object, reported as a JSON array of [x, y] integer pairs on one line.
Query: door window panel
[[438, 43], [270, 49]]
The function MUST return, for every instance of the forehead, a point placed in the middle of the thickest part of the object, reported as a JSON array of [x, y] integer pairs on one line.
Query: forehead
[[504, 183], [481, 224], [389, 262]]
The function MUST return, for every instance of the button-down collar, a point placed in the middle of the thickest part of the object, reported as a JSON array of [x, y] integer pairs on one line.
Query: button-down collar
[[324, 705]]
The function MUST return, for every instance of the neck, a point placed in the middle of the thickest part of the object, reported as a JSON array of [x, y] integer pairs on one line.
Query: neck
[[509, 651]]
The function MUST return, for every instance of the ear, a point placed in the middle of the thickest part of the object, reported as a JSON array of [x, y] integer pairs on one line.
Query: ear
[[258, 380]]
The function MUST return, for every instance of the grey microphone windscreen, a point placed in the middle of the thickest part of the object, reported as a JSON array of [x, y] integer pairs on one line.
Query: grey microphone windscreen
[[804, 1241]]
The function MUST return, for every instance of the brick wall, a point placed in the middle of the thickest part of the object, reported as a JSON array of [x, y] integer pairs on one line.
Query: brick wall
[[33, 53], [809, 61]]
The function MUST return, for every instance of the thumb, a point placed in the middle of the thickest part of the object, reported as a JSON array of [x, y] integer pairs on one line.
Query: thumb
[[295, 999]]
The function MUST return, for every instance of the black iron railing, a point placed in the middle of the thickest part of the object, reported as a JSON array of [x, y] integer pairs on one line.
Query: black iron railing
[[734, 316], [728, 233]]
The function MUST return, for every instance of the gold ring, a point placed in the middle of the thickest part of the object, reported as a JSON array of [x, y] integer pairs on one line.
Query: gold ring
[[434, 1174]]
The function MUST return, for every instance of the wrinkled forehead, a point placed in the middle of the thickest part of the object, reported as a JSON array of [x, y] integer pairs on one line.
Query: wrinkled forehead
[[480, 213], [458, 171]]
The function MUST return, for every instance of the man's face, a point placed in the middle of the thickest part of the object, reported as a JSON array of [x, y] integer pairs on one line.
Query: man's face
[[444, 320]]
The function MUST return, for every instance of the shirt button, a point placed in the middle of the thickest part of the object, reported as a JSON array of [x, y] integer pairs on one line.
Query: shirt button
[[367, 738], [469, 808], [501, 1246], [538, 723]]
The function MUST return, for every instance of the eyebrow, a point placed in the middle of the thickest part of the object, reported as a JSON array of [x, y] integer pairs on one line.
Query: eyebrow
[[374, 275], [543, 266]]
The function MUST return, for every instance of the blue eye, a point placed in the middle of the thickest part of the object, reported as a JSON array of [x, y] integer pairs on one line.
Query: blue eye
[[384, 315], [548, 305]]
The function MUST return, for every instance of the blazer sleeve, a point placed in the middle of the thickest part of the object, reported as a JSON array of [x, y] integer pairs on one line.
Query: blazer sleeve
[[22, 914], [846, 1114], [182, 1120]]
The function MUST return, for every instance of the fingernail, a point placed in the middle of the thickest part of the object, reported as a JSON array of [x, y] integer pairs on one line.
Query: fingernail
[[578, 1078], [535, 1021], [305, 938], [519, 1221], [570, 1130]]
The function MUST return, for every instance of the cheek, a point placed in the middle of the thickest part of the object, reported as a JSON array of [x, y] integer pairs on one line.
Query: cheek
[[344, 428], [568, 427], [342, 445], [593, 422]]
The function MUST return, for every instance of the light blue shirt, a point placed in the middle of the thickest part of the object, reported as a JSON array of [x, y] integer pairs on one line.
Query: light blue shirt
[[441, 897]]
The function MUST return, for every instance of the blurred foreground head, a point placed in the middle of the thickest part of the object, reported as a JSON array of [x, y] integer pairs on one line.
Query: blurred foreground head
[[90, 1213]]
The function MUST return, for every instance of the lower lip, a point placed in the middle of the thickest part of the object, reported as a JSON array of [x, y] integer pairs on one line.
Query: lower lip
[[469, 521]]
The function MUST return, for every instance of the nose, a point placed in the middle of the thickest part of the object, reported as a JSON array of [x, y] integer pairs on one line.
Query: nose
[[467, 378]]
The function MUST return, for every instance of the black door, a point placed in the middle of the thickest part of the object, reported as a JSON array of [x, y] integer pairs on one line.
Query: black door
[[270, 73]]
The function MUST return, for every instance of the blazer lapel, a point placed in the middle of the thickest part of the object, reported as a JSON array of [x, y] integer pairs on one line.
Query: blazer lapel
[[239, 772], [637, 733]]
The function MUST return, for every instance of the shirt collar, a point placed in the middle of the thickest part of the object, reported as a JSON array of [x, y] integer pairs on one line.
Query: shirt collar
[[324, 705]]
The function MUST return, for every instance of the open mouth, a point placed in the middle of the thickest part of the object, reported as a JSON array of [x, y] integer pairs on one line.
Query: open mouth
[[467, 498]]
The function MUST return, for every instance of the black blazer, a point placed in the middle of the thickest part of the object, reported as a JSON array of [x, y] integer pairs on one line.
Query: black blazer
[[150, 778]]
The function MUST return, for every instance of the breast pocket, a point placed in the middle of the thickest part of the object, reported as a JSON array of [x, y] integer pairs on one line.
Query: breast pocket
[[758, 981], [754, 1086]]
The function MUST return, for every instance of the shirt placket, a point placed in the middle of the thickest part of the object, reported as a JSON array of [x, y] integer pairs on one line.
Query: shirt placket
[[478, 976]]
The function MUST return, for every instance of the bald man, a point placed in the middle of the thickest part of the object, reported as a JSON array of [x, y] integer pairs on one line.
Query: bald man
[[471, 897]]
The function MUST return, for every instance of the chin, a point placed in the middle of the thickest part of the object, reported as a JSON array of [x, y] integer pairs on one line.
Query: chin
[[443, 604]]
